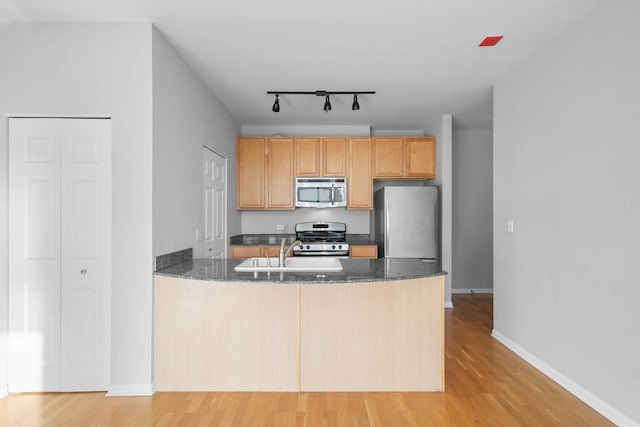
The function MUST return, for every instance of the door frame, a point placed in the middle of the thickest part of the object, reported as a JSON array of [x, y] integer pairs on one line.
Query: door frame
[[226, 202], [109, 224]]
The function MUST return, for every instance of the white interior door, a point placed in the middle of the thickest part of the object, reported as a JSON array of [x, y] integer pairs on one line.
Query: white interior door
[[215, 204], [60, 228]]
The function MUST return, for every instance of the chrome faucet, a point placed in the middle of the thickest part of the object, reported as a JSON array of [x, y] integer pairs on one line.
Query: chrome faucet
[[283, 254]]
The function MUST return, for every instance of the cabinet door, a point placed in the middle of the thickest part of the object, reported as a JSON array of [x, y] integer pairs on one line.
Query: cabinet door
[[250, 173], [280, 177], [363, 251], [245, 251], [270, 251], [334, 157], [360, 180], [308, 156], [388, 157], [420, 157]]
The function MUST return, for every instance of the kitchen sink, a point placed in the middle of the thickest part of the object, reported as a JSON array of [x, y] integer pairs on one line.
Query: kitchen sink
[[291, 264]]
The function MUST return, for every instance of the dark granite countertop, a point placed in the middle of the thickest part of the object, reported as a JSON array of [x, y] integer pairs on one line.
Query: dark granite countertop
[[275, 239], [353, 270]]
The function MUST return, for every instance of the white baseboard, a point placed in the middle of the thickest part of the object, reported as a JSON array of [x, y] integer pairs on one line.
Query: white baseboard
[[117, 390], [581, 393], [4, 391], [472, 291], [448, 304]]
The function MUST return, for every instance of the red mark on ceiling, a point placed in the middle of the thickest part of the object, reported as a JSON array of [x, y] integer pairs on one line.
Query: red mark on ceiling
[[490, 41]]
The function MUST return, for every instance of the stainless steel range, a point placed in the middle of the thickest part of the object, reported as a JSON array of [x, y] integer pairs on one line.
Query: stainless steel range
[[321, 239]]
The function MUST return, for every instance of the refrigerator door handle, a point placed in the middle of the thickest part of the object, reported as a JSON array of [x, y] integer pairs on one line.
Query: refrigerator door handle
[[435, 223], [386, 229]]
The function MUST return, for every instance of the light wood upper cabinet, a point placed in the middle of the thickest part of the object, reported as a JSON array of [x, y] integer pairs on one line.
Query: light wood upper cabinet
[[280, 176], [251, 173], [265, 173], [420, 157], [321, 157], [404, 157], [308, 156], [334, 157], [360, 179], [388, 159], [267, 167]]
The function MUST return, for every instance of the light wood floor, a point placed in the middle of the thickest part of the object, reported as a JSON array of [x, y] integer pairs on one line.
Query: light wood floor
[[486, 384]]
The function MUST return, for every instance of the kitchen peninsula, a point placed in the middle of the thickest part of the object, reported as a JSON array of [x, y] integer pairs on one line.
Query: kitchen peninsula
[[377, 325]]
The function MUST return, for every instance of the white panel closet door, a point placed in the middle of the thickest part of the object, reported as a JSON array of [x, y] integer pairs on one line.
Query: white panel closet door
[[67, 227]]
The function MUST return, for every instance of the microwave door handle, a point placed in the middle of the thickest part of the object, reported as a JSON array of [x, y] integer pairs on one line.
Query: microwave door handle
[[332, 195]]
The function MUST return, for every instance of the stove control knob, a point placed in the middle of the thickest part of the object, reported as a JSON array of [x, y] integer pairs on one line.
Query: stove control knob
[[339, 246], [333, 246], [308, 247], [301, 246]]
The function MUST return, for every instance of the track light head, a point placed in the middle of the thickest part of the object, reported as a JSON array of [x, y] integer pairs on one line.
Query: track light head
[[327, 104], [276, 105], [355, 106]]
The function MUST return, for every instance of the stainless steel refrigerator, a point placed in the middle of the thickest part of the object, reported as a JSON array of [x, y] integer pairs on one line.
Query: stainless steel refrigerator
[[407, 222]]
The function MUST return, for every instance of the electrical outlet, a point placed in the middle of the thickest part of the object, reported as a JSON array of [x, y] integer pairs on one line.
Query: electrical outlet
[[281, 227]]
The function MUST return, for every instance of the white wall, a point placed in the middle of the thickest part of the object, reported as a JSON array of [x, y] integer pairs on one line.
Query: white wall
[[566, 152], [472, 248], [186, 116], [93, 69]]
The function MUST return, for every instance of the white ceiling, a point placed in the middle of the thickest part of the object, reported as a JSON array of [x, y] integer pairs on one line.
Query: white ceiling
[[421, 56]]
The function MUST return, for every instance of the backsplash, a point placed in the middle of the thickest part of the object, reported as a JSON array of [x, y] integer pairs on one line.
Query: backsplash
[[173, 258], [257, 222]]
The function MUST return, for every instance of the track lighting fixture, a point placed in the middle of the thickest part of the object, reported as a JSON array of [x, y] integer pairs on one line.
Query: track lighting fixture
[[327, 102]]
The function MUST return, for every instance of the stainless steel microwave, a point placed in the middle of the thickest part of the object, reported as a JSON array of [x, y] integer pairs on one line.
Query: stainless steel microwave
[[321, 192]]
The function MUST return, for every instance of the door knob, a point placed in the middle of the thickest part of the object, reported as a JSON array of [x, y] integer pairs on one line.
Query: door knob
[[83, 271]]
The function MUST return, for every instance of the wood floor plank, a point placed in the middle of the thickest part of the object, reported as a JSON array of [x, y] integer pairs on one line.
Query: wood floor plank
[[486, 383]]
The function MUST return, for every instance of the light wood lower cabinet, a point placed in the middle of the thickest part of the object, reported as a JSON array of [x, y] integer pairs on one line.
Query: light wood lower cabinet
[[242, 336], [254, 251], [363, 251]]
